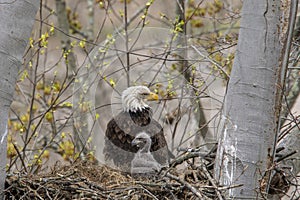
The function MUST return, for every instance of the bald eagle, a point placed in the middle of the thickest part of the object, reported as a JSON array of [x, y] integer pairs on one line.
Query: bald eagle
[[136, 117], [143, 161]]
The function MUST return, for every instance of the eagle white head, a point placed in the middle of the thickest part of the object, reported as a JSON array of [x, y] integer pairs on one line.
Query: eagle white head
[[134, 98]]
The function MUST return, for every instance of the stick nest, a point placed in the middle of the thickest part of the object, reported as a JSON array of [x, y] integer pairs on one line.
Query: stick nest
[[86, 180]]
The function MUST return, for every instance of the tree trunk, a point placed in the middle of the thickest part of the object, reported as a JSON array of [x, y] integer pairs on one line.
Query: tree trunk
[[16, 19], [181, 43], [81, 125], [247, 132]]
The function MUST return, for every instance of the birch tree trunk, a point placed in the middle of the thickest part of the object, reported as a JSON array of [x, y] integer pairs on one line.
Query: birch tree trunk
[[247, 132], [16, 20]]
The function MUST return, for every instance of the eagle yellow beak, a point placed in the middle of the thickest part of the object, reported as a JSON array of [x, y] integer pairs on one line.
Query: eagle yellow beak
[[152, 97]]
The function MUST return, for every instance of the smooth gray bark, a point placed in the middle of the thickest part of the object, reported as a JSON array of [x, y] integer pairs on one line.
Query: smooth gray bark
[[247, 132], [16, 20]]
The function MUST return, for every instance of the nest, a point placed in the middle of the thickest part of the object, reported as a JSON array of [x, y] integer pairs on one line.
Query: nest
[[86, 180]]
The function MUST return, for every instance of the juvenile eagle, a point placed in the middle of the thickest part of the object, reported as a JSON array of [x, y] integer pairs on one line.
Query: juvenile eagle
[[143, 161], [135, 118]]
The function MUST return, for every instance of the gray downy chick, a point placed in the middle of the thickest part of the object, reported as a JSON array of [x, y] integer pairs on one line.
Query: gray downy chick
[[143, 161]]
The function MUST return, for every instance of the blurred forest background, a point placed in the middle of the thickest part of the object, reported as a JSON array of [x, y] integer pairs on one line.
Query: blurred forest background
[[80, 45]]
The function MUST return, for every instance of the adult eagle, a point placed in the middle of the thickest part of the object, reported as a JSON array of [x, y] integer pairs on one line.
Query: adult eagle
[[135, 118]]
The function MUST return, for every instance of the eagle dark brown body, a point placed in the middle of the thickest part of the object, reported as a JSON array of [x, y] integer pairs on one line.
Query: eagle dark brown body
[[123, 128]]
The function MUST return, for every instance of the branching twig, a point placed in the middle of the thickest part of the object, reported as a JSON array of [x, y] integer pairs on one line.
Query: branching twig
[[211, 180], [186, 184]]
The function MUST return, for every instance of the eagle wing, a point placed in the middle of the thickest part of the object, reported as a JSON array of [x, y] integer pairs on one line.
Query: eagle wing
[[120, 132]]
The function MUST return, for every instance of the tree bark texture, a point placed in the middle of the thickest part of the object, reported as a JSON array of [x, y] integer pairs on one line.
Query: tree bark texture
[[16, 19], [247, 132]]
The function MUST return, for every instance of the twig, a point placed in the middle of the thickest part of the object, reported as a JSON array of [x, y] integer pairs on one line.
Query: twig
[[211, 180], [186, 184], [185, 157], [212, 61], [152, 195], [224, 187], [286, 156]]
